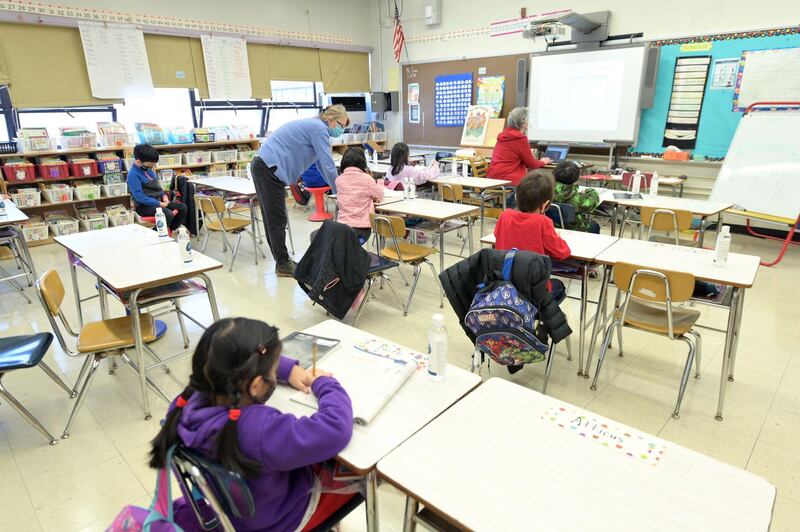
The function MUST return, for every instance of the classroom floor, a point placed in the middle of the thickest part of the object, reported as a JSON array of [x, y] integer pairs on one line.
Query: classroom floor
[[82, 483]]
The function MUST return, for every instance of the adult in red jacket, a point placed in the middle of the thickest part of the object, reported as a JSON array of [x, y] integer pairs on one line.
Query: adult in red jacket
[[512, 156]]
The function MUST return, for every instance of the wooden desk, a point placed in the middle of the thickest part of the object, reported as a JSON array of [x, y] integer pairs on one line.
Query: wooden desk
[[479, 184], [418, 402], [506, 458], [584, 247], [739, 273], [129, 271], [437, 211]]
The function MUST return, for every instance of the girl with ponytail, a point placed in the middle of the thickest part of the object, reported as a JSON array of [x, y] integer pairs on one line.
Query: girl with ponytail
[[222, 414]]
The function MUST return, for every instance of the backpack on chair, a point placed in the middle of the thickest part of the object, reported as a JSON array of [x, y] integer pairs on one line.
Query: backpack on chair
[[503, 322]]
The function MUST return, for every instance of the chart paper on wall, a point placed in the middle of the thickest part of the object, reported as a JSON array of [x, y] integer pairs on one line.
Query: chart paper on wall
[[227, 70], [767, 76], [116, 60]]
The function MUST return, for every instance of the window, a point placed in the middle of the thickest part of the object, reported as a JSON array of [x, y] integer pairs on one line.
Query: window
[[252, 118], [276, 117], [168, 108], [53, 119], [296, 92]]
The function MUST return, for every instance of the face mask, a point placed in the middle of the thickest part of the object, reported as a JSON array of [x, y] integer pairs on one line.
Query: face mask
[[335, 131]]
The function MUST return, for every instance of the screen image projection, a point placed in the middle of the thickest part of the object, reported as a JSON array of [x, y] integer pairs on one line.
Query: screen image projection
[[586, 96]]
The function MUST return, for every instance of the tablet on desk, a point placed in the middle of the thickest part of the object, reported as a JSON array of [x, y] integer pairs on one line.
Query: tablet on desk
[[626, 195]]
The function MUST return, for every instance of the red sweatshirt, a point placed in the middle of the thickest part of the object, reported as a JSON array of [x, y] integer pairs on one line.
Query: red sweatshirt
[[512, 157], [529, 231]]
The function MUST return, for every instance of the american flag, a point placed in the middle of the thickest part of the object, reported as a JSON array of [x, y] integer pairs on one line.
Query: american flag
[[399, 39]]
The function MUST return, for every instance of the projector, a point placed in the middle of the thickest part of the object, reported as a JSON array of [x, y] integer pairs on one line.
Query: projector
[[537, 29]]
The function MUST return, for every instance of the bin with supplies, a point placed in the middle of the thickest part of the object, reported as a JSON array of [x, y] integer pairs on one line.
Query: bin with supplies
[[197, 157], [26, 197], [83, 168], [119, 215], [87, 192], [57, 194], [114, 190], [170, 159], [53, 170], [94, 221], [61, 225], [110, 165], [224, 156], [34, 229], [19, 172]]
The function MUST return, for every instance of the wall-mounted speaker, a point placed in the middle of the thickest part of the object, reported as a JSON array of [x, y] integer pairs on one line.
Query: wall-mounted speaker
[[522, 83], [651, 57]]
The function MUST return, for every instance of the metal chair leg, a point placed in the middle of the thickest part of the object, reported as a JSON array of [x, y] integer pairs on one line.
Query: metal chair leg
[[549, 367], [619, 341], [417, 272], [569, 347], [181, 323], [205, 241], [385, 277], [601, 357], [370, 281], [82, 395], [685, 377], [52, 374], [438, 283], [87, 362], [21, 410], [698, 343], [235, 250]]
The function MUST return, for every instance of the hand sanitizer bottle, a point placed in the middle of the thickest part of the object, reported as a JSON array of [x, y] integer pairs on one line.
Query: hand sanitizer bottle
[[161, 223], [437, 348], [654, 184], [636, 183], [185, 244], [723, 245]]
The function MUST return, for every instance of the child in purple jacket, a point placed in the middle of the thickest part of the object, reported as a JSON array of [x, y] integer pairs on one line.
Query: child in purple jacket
[[222, 415]]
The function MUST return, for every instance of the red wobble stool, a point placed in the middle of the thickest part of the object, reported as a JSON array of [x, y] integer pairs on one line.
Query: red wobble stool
[[319, 214]]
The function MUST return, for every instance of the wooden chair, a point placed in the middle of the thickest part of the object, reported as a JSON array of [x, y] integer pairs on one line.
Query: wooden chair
[[94, 341], [669, 221], [216, 219], [389, 227], [648, 306], [479, 167]]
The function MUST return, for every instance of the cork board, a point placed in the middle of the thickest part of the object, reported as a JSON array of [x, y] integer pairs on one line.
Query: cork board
[[425, 133]]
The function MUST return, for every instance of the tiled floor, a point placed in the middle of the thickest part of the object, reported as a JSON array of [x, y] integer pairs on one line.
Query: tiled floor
[[81, 483]]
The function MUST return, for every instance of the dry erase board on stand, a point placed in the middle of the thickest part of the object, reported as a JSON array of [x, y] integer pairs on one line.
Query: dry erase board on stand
[[761, 173]]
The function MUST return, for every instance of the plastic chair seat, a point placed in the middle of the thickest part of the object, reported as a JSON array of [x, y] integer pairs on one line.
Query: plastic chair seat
[[6, 253], [116, 333], [408, 252], [20, 352], [653, 317], [378, 264], [231, 225]]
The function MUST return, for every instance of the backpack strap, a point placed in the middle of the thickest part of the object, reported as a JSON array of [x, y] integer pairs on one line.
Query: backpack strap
[[508, 262]]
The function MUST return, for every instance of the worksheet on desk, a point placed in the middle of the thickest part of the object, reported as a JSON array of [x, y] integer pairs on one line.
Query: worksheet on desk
[[370, 380]]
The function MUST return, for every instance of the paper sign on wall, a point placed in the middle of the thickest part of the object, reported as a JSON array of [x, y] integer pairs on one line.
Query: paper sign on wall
[[724, 76], [227, 70], [490, 93], [116, 60], [413, 93]]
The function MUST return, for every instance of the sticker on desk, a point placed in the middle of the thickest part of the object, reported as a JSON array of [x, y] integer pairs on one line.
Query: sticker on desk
[[386, 349], [640, 447]]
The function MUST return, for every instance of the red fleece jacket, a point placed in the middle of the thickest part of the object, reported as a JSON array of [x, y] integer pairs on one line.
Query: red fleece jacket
[[512, 157]]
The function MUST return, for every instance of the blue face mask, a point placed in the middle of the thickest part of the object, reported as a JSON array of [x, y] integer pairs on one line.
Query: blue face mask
[[335, 131]]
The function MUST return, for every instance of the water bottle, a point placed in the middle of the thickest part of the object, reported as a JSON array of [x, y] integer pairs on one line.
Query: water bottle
[[723, 245], [412, 188], [406, 188], [636, 183], [437, 348], [3, 211], [161, 223], [374, 156], [465, 169], [185, 244], [654, 184]]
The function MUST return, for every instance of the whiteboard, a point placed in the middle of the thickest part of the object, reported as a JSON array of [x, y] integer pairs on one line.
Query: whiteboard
[[767, 76], [586, 96], [116, 59], [227, 70], [762, 170]]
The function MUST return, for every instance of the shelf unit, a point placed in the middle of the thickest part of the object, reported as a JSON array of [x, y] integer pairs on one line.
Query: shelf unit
[[123, 152]]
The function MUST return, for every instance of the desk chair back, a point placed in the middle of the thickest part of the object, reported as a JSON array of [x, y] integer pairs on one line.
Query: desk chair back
[[562, 214], [451, 192], [656, 286], [480, 167], [52, 290], [627, 180], [668, 220]]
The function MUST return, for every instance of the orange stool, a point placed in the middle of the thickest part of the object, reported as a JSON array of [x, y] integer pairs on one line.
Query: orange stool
[[319, 214]]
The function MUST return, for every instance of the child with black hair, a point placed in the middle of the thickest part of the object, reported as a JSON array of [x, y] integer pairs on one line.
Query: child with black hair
[[356, 193], [400, 170], [585, 201], [222, 414], [146, 191]]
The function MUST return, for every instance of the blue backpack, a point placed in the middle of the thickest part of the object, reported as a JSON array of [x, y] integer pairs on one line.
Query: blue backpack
[[503, 322]]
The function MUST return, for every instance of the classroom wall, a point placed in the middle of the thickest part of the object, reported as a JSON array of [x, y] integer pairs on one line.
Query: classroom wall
[[655, 19]]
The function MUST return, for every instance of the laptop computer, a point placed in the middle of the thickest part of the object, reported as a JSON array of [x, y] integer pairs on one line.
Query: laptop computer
[[556, 153]]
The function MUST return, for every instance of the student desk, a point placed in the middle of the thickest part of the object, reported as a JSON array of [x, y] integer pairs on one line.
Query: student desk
[[481, 185], [437, 211], [675, 183], [241, 186], [131, 270], [739, 273], [702, 208], [418, 402], [14, 216], [111, 241], [584, 248], [377, 169], [506, 457]]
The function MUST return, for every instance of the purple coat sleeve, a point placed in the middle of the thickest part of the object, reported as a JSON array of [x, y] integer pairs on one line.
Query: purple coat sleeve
[[313, 439], [285, 366]]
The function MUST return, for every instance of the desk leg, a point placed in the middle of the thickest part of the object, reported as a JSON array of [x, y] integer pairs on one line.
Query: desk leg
[[727, 353], [137, 338], [601, 304], [483, 205], [441, 247], [584, 301], [73, 273], [371, 501], [212, 298], [614, 214], [735, 344], [412, 507]]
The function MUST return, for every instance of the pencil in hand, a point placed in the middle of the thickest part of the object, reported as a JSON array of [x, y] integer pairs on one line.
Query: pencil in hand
[[313, 357]]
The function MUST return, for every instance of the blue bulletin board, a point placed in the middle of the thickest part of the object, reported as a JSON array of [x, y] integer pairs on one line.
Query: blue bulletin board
[[718, 120], [452, 99]]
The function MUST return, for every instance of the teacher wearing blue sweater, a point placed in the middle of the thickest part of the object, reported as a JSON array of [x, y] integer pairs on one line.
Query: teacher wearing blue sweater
[[283, 157]]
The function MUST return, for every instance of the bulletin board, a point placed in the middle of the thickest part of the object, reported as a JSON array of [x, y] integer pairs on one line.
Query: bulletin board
[[424, 74], [452, 99], [718, 119]]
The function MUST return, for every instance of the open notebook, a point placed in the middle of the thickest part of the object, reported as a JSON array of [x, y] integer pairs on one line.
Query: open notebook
[[370, 379]]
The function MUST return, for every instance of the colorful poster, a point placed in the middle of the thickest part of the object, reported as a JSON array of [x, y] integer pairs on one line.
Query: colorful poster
[[413, 113], [453, 96], [475, 125], [413, 93], [724, 76], [490, 93]]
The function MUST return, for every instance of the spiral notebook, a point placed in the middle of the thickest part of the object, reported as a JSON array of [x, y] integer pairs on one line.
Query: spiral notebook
[[371, 380]]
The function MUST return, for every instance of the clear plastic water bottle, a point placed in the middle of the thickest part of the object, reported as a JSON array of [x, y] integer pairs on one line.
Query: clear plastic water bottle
[[437, 348], [654, 184], [185, 244], [723, 245], [375, 156], [636, 183], [161, 223], [412, 188], [3, 211]]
